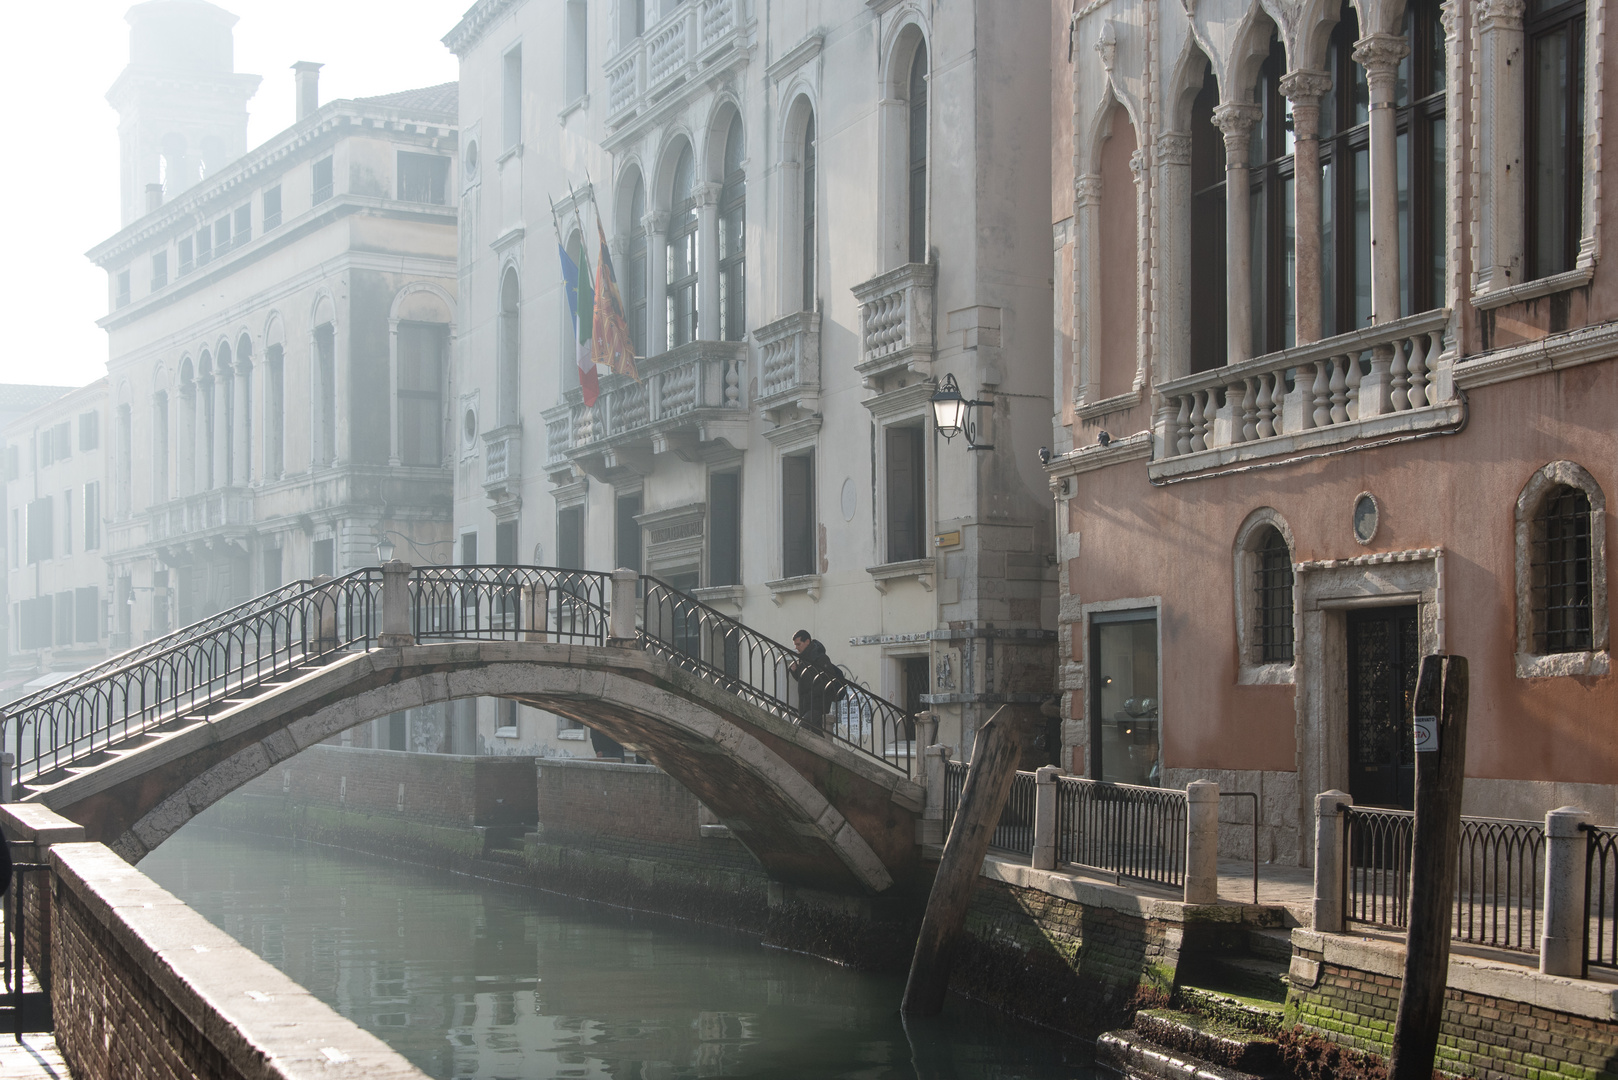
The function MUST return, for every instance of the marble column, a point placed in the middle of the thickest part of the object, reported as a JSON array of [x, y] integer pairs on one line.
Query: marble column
[[657, 282], [241, 465], [1087, 216], [708, 262], [1500, 157], [1172, 297], [1304, 89], [1379, 55], [202, 449], [1236, 121], [221, 427]]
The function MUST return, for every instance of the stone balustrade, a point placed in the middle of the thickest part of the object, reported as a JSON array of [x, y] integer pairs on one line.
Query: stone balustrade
[[896, 323], [789, 364], [1336, 385], [196, 513], [502, 460], [669, 52], [679, 394]]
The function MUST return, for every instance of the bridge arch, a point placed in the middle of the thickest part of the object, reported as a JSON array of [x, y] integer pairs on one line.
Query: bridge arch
[[814, 812]]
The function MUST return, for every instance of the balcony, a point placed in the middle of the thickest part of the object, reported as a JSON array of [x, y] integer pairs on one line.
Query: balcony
[[896, 325], [686, 398], [669, 53], [210, 518], [789, 366], [502, 463], [1382, 380]]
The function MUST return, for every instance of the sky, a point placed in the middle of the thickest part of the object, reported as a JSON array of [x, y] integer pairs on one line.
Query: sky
[[61, 179]]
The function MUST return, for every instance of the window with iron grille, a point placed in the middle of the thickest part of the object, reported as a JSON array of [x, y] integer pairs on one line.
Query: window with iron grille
[[1563, 603], [1272, 581]]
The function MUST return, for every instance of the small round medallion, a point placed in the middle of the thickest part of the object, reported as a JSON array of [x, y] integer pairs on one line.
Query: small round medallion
[[850, 499], [1366, 517]]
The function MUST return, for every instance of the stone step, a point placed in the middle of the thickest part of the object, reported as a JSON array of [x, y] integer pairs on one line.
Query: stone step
[[1270, 944], [1244, 1013], [1170, 1045]]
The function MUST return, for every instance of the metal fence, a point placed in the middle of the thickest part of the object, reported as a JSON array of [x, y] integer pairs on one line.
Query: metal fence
[[1601, 898], [954, 784], [191, 670], [1122, 829], [687, 632], [1015, 830], [23, 1010], [509, 603], [1498, 900]]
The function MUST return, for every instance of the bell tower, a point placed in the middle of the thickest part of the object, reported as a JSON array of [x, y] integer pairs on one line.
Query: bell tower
[[181, 105]]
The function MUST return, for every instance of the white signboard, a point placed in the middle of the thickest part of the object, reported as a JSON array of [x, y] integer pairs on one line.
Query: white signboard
[[1426, 733]]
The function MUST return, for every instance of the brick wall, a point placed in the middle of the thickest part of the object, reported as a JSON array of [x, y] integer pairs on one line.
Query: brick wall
[[448, 790], [145, 987], [1482, 1035]]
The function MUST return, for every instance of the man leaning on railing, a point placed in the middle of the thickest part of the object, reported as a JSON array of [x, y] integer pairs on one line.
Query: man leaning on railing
[[820, 684]]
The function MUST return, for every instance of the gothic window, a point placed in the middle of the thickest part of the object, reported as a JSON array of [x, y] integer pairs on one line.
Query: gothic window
[[1270, 177], [1207, 231], [1345, 160], [807, 222], [733, 238], [917, 190], [635, 266], [1555, 125], [681, 268], [274, 413], [1561, 572], [1272, 586]]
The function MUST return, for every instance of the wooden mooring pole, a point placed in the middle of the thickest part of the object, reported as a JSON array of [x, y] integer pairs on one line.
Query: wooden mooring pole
[[988, 783], [1440, 734]]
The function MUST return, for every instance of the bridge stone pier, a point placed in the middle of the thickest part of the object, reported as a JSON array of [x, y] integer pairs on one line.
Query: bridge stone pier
[[816, 810]]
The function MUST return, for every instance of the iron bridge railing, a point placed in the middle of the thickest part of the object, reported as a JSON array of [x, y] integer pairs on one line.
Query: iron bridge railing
[[191, 672], [692, 635], [1499, 898]]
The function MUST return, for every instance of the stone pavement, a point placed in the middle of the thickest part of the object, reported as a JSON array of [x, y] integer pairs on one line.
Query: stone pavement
[[35, 1057], [1291, 887]]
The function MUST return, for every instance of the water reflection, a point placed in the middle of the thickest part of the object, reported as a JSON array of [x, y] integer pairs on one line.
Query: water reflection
[[470, 979]]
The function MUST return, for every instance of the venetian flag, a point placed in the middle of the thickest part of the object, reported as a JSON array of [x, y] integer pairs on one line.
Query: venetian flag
[[614, 346], [581, 298]]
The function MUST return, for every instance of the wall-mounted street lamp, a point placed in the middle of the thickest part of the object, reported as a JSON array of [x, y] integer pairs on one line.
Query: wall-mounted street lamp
[[384, 550], [953, 414]]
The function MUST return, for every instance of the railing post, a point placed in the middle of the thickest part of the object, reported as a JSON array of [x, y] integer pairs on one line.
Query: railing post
[[396, 630], [1202, 842], [536, 605], [934, 765], [8, 769], [1561, 949], [1331, 833], [1044, 854], [621, 609]]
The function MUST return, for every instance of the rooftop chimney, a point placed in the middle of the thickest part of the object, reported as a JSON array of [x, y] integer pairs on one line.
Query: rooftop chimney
[[308, 83], [154, 197]]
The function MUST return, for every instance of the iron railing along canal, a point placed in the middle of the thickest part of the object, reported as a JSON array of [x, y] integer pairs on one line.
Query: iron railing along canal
[[1015, 831], [1600, 898], [1125, 830], [1498, 900]]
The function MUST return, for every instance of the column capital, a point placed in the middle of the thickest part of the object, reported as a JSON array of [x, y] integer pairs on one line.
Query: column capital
[[1137, 165], [708, 193], [1174, 148], [1236, 120], [1087, 190], [1379, 55], [656, 221], [1305, 86], [1500, 15]]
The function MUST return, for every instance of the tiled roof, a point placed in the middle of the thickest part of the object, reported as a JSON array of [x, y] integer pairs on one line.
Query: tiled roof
[[442, 98], [19, 398]]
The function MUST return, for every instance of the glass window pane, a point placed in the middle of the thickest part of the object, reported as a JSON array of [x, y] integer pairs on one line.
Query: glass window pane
[[1439, 217], [1403, 158], [1328, 250], [1362, 242], [1289, 257], [1256, 269]]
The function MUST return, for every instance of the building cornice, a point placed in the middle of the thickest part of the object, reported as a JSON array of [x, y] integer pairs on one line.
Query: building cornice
[[477, 20], [336, 120]]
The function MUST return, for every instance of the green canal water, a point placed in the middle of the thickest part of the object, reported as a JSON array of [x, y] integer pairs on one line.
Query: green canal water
[[468, 978]]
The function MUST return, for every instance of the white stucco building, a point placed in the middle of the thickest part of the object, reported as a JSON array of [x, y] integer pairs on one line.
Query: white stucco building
[[816, 211]]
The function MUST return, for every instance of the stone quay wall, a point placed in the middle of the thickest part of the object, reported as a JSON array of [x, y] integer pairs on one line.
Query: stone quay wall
[[141, 985], [1500, 1020]]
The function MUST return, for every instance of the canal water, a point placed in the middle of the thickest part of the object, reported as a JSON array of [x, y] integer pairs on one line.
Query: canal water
[[468, 978]]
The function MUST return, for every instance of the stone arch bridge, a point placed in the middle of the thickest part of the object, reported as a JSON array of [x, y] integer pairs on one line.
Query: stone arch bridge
[[136, 746]]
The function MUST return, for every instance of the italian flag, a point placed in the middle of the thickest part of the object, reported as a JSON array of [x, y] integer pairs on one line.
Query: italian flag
[[581, 299]]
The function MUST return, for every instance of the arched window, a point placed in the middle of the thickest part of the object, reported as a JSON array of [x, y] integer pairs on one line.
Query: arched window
[[274, 413], [160, 446], [1270, 177], [1345, 169], [733, 238], [808, 239], [1272, 608], [510, 342], [682, 253], [1208, 309], [1555, 144], [918, 156], [1561, 574], [1562, 602], [635, 267]]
